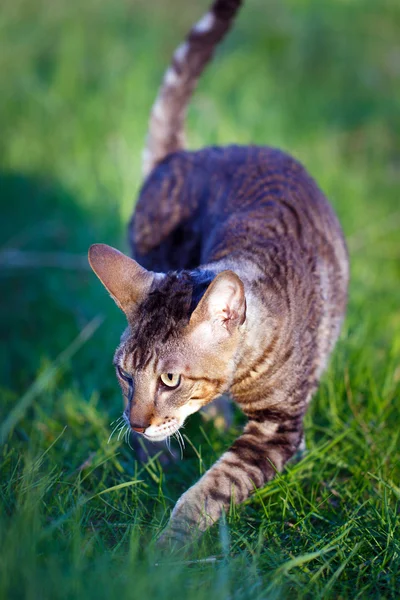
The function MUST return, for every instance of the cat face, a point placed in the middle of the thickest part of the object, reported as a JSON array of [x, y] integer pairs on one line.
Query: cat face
[[177, 353], [175, 382]]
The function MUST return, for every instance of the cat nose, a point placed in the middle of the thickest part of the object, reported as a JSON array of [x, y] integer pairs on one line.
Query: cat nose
[[137, 428]]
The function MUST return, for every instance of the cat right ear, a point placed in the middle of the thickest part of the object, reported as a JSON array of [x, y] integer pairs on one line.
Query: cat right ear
[[127, 282]]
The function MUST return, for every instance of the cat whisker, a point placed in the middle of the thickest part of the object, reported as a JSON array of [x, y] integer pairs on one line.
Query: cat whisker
[[121, 429], [179, 440], [128, 438], [125, 431], [176, 438], [168, 444], [113, 431]]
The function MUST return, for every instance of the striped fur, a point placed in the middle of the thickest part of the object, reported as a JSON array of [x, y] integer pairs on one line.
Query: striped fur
[[257, 212], [249, 297], [166, 126]]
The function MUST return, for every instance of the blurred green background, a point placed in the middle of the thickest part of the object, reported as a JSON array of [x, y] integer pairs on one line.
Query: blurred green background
[[320, 79]]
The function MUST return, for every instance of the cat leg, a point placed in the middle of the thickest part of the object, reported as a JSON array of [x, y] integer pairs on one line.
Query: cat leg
[[253, 459]]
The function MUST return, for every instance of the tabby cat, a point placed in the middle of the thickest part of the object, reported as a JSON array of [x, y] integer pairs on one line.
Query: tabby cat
[[239, 287]]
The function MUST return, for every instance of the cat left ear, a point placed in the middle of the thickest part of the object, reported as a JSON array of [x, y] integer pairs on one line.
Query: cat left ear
[[223, 304], [127, 282]]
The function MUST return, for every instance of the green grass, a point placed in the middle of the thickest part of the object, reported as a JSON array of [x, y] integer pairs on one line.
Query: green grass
[[78, 515]]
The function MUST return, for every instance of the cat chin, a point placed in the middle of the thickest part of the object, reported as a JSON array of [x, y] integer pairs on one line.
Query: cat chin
[[156, 434], [157, 438]]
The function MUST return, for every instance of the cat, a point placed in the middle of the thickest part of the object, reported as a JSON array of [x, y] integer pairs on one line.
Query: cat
[[238, 285]]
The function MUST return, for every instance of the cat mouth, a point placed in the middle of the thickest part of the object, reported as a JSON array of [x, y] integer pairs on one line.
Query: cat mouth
[[162, 432]]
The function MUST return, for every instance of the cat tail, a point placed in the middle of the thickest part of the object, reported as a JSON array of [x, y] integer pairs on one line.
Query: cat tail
[[166, 126]]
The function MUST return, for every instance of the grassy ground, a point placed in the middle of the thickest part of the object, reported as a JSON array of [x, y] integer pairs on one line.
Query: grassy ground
[[78, 515]]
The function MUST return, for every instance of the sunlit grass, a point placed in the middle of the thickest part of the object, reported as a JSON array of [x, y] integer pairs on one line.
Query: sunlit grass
[[79, 516]]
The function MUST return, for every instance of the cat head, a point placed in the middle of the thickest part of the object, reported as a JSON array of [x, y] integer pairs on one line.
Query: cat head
[[178, 351]]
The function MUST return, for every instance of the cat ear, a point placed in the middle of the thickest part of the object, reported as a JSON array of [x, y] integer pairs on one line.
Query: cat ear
[[127, 282], [224, 303]]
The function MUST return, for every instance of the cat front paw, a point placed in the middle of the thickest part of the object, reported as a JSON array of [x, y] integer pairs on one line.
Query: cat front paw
[[183, 527], [188, 521], [171, 541]]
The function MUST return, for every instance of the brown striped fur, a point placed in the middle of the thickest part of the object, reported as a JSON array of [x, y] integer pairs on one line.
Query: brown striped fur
[[241, 290], [166, 127]]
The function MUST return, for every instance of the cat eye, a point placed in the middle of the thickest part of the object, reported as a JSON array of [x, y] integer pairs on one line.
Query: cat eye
[[171, 380], [124, 375]]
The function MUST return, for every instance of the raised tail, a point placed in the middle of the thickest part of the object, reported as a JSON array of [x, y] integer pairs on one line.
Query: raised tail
[[166, 126]]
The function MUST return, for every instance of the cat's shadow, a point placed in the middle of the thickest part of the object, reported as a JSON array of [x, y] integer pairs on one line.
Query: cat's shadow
[[48, 293]]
